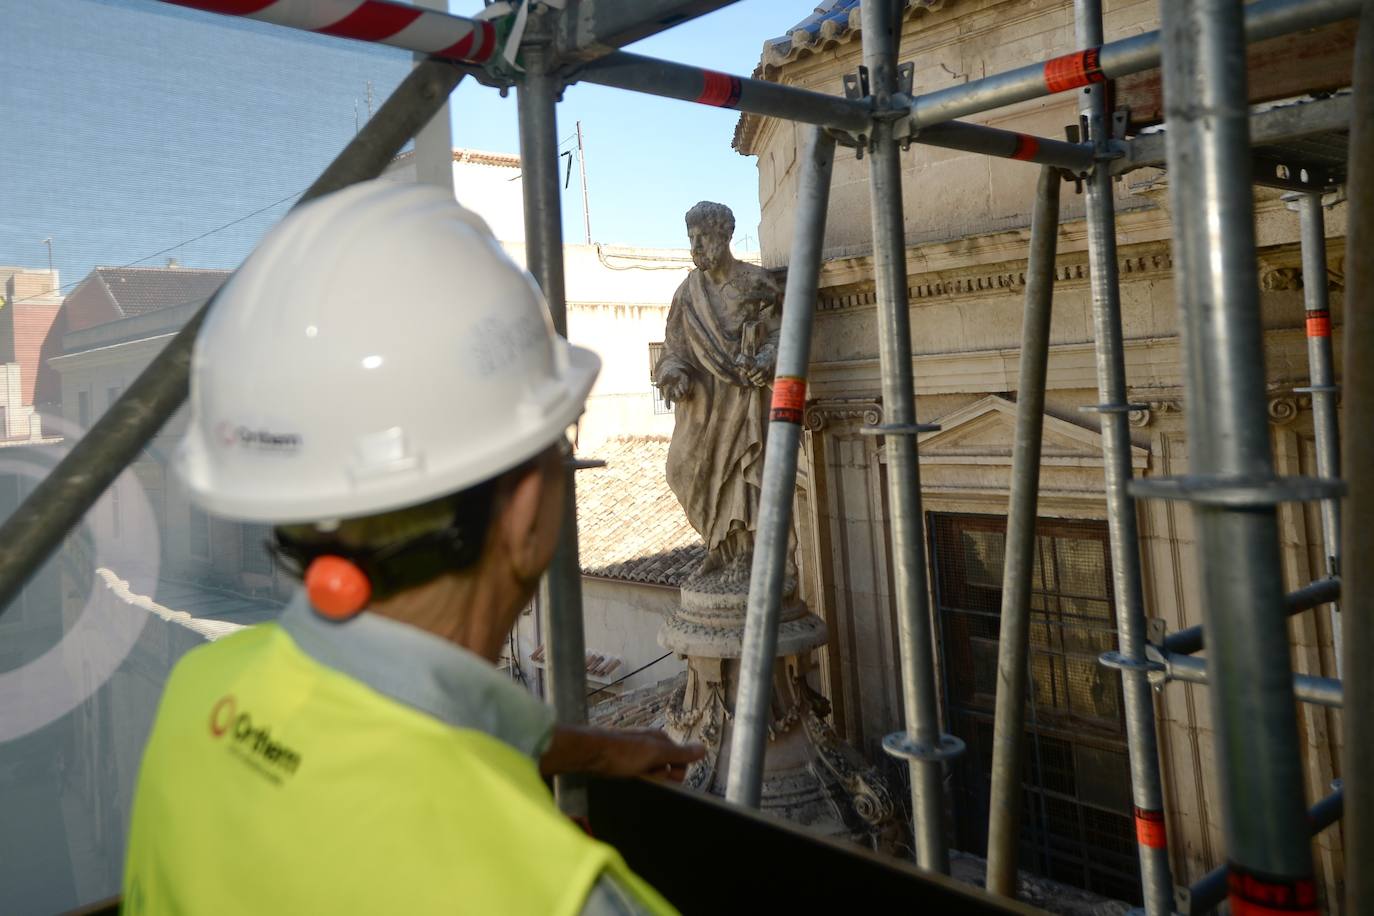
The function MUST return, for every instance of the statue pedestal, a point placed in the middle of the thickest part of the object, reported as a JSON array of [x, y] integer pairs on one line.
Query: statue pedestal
[[811, 777]]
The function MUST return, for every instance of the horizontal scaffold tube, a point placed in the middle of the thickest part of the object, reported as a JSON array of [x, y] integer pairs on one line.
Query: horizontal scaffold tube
[[1314, 594], [722, 90], [1323, 691], [596, 27], [668, 79], [1263, 19], [471, 41], [1008, 144]]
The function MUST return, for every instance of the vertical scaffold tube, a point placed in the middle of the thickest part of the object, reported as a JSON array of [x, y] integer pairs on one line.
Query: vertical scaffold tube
[[921, 744], [1357, 457], [560, 594], [766, 581], [1013, 641], [1122, 528], [1251, 682], [1321, 371]]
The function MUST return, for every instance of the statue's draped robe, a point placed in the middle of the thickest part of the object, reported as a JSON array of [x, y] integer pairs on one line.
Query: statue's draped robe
[[715, 461]]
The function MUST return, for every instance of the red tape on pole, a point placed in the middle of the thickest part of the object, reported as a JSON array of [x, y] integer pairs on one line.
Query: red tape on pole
[[1253, 894], [1026, 147], [1149, 829], [227, 7], [372, 21], [1319, 323], [469, 49], [1073, 70], [719, 89], [789, 399]]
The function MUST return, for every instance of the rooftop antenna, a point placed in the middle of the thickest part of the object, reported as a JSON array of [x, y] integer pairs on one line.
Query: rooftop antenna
[[48, 241], [582, 167]]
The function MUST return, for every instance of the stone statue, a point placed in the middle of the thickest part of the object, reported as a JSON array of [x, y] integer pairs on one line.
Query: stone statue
[[719, 351], [718, 354]]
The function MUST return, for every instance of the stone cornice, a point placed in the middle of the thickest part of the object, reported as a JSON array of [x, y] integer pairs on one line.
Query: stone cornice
[[846, 282], [1007, 277], [1154, 364]]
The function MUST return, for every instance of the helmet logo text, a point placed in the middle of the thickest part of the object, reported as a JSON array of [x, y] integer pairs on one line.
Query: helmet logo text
[[265, 440]]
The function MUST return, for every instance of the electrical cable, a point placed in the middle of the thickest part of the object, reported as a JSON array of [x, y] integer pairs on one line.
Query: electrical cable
[[630, 675], [181, 244]]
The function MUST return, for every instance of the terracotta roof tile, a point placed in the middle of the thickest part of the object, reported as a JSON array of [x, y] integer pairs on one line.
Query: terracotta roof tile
[[642, 708], [599, 666], [833, 23], [139, 290], [630, 526]]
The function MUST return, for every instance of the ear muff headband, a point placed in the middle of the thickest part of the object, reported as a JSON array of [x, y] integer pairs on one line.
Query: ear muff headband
[[341, 581]]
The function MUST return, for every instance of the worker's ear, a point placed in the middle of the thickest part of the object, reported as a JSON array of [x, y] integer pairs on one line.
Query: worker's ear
[[531, 511]]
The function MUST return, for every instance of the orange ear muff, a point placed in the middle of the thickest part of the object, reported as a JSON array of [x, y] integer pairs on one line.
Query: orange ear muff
[[337, 588]]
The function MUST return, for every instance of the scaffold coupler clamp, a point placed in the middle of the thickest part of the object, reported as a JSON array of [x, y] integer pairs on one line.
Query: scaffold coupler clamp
[[902, 745], [512, 20], [1155, 666], [898, 111]]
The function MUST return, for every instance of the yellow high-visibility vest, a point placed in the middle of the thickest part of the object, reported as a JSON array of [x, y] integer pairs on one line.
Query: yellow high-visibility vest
[[275, 784]]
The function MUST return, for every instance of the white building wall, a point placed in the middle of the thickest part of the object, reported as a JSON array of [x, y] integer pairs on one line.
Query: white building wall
[[620, 619], [485, 185]]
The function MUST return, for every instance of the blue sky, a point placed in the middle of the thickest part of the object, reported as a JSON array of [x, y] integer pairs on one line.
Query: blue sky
[[134, 131], [649, 159]]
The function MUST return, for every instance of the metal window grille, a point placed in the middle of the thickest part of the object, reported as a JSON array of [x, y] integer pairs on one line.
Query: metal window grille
[[1076, 800], [661, 406], [198, 533], [256, 557]]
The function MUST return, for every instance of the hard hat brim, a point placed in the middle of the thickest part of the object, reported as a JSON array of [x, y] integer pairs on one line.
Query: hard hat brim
[[272, 507]]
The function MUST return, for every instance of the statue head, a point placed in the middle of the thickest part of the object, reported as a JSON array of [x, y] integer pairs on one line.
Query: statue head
[[710, 227]]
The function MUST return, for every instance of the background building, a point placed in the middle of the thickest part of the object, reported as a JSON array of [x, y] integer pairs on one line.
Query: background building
[[29, 304]]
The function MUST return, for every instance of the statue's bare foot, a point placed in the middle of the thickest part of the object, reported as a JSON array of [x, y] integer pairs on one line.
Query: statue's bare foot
[[713, 562]]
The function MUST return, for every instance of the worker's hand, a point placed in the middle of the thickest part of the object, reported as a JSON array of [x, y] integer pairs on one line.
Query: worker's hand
[[617, 752]]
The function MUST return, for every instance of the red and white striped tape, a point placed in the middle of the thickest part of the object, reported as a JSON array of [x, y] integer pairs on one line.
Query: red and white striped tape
[[471, 41]]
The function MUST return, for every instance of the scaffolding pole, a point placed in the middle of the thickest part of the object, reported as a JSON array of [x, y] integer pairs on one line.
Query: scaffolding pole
[[1207, 893], [56, 506], [687, 83], [1323, 691], [1018, 565], [768, 574], [1122, 528], [401, 25], [1357, 458], [560, 592], [1101, 62], [591, 28], [921, 745], [1315, 594], [1322, 387], [1233, 486], [584, 36]]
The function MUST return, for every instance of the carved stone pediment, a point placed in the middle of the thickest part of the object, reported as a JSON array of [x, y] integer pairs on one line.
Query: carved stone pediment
[[983, 432]]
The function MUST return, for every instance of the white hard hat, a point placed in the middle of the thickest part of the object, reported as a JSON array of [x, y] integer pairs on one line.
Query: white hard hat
[[377, 350]]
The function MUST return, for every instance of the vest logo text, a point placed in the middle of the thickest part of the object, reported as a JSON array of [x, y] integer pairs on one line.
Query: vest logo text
[[250, 742]]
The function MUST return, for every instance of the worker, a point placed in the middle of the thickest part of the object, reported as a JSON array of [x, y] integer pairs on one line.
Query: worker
[[384, 387]]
